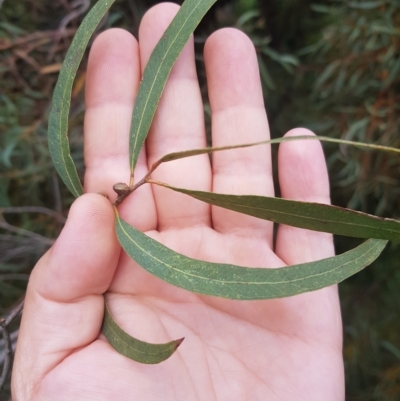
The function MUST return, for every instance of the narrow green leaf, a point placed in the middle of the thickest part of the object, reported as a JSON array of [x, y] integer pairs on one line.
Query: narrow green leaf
[[312, 216], [200, 151], [243, 283], [246, 17], [366, 5], [265, 75], [58, 119], [132, 348], [326, 74], [158, 69]]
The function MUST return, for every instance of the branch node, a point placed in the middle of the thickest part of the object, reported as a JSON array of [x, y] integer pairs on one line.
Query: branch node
[[123, 191]]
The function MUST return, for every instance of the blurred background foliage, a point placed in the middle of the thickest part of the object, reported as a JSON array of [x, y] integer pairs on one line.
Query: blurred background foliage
[[332, 66]]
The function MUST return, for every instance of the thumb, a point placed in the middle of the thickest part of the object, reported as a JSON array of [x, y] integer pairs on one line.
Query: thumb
[[64, 304]]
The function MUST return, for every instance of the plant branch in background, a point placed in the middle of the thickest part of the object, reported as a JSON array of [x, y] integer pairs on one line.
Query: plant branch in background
[[5, 323], [34, 209], [20, 231]]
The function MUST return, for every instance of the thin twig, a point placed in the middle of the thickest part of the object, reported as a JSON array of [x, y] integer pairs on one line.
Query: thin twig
[[40, 238], [8, 356], [35, 209], [124, 190], [14, 276], [39, 38], [13, 314], [4, 329], [20, 251], [13, 238], [84, 5], [14, 337]]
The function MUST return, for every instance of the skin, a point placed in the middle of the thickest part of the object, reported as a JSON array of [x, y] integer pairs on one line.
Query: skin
[[284, 349]]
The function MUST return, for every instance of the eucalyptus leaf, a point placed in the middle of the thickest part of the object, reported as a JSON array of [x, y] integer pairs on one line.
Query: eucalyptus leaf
[[309, 215], [58, 119], [200, 151], [242, 283], [158, 69], [132, 348]]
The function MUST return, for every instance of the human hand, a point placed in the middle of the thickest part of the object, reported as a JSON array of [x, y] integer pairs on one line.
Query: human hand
[[283, 349]]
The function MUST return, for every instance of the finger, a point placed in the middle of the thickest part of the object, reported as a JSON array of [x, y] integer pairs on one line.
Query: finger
[[64, 303], [303, 176], [238, 116], [178, 125], [113, 77]]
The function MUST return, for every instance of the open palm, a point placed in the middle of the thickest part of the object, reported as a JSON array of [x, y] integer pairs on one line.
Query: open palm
[[284, 349]]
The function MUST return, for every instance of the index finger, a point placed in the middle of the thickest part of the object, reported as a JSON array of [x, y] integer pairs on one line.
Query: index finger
[[113, 78]]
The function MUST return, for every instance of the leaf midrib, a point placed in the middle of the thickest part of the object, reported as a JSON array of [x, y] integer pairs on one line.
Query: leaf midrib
[[235, 282], [302, 216], [160, 65]]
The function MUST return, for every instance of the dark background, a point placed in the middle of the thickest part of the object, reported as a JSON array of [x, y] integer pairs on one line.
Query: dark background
[[333, 67]]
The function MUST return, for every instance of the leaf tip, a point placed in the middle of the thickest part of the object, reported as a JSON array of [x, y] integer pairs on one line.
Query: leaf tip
[[178, 343]]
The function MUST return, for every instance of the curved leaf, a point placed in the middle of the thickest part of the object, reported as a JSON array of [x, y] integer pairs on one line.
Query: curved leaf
[[132, 348], [158, 69], [242, 283], [312, 216], [58, 119]]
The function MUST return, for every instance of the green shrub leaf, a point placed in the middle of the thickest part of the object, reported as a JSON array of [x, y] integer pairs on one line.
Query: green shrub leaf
[[242, 283], [312, 216], [158, 69], [132, 348], [58, 119], [200, 151]]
